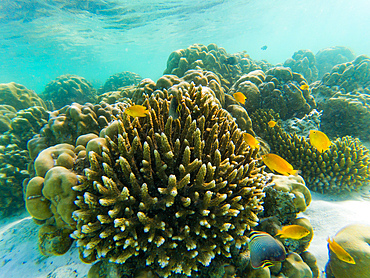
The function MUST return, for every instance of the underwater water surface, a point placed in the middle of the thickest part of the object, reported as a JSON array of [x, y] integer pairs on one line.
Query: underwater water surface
[[261, 150]]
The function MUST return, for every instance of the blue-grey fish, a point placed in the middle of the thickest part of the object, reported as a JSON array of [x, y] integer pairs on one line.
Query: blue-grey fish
[[265, 250], [264, 47], [175, 108]]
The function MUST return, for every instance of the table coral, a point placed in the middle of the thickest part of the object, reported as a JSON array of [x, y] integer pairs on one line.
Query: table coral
[[344, 167], [66, 89], [19, 96], [174, 193]]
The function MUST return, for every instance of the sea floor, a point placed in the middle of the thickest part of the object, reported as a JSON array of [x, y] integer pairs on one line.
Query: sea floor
[[20, 257]]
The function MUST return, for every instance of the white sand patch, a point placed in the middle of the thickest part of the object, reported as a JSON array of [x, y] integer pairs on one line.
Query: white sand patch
[[20, 257], [328, 216]]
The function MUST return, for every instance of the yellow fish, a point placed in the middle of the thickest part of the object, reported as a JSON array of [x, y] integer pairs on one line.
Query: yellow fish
[[271, 123], [293, 232], [240, 97], [340, 252], [278, 164], [251, 141], [304, 87], [319, 140], [136, 111]]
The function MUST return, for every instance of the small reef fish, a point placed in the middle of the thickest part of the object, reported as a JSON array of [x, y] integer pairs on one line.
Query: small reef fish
[[278, 164], [175, 108], [240, 97], [265, 250], [304, 87], [293, 232], [264, 47], [319, 140], [251, 141], [272, 123], [340, 252], [136, 111]]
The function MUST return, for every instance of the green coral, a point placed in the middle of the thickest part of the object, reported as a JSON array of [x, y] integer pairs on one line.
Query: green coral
[[228, 67], [19, 96], [347, 114], [303, 62], [119, 80], [171, 194], [344, 167], [66, 89]]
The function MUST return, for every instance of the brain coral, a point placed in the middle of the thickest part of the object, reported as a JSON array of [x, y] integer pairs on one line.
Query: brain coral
[[344, 167], [19, 96], [119, 80], [174, 193], [66, 89]]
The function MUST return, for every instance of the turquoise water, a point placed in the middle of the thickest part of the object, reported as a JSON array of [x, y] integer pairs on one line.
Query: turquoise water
[[42, 39]]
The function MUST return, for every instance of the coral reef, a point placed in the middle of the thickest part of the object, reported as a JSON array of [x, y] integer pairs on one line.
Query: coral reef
[[174, 195], [302, 127], [278, 89], [66, 89], [347, 114], [7, 112], [355, 240], [50, 198], [328, 57], [19, 96], [118, 80], [212, 58], [303, 62], [344, 167]]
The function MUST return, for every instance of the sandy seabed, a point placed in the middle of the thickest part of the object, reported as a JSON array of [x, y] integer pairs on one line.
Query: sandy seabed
[[20, 257]]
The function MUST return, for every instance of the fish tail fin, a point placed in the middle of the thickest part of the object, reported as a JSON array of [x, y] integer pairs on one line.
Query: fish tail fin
[[296, 172]]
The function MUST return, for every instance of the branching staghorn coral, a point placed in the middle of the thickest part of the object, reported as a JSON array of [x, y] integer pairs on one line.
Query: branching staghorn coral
[[176, 193], [344, 167]]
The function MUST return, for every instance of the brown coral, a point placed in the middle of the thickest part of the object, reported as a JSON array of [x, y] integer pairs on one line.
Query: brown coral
[[175, 193]]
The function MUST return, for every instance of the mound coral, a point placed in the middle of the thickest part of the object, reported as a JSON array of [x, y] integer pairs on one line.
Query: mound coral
[[119, 80], [66, 89], [278, 89], [19, 96], [344, 167], [303, 62], [228, 67], [327, 58], [175, 193], [347, 114]]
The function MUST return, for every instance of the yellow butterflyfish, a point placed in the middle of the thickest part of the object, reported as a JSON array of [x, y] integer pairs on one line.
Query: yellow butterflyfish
[[319, 140], [251, 141], [304, 87], [278, 164], [136, 111], [272, 123], [340, 252], [293, 232], [240, 97]]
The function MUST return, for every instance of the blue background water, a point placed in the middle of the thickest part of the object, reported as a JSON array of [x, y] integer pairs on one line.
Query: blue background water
[[42, 39]]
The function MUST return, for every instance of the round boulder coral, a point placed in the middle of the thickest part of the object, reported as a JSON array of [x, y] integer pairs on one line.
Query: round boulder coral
[[67, 89], [174, 193]]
